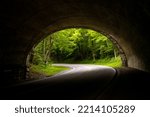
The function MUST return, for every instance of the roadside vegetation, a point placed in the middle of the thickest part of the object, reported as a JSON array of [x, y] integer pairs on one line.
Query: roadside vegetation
[[112, 62], [75, 45], [47, 70]]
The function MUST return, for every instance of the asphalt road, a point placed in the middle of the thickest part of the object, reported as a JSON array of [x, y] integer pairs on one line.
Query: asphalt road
[[82, 69], [84, 82], [80, 82]]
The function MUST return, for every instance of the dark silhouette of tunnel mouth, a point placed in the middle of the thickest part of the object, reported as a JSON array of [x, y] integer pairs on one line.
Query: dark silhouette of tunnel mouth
[[26, 23], [110, 37]]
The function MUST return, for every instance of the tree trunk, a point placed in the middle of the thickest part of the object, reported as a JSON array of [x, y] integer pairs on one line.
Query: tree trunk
[[44, 52], [93, 55], [50, 47], [115, 53]]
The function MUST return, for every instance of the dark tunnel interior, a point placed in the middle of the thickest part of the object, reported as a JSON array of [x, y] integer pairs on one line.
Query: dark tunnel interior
[[23, 23]]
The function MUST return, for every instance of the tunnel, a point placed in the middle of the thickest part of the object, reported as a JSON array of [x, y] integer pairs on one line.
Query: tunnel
[[25, 23]]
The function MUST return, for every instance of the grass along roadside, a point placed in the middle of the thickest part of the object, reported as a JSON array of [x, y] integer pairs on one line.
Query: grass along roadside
[[39, 71], [42, 71], [112, 62]]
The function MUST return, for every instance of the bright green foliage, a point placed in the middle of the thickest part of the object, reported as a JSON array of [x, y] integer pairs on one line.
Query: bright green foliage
[[112, 62], [75, 44], [47, 70], [42, 52]]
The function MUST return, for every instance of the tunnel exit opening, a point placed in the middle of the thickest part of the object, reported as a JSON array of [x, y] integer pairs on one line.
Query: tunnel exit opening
[[74, 46]]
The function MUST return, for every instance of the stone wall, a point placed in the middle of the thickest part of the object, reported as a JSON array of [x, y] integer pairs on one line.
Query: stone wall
[[24, 23]]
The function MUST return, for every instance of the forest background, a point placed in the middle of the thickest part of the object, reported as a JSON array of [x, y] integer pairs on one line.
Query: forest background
[[75, 45]]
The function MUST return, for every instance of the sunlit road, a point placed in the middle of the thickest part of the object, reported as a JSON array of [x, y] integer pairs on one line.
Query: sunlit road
[[80, 82], [82, 70]]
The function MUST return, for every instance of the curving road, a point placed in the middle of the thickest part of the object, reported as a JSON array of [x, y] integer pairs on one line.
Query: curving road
[[80, 82], [82, 69], [84, 82]]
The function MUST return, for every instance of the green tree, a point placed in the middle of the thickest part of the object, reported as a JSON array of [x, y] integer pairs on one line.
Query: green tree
[[73, 44]]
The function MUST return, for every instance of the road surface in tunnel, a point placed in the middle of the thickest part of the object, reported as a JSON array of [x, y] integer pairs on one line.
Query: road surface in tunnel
[[80, 82], [81, 69]]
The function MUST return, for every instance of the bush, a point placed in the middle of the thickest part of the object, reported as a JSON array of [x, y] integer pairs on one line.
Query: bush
[[37, 59]]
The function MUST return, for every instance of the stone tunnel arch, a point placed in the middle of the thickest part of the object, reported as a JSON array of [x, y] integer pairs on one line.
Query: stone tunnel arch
[[25, 23], [50, 31], [127, 49]]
